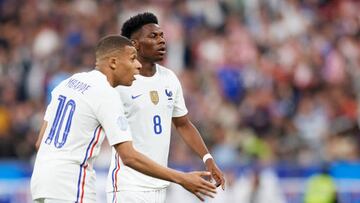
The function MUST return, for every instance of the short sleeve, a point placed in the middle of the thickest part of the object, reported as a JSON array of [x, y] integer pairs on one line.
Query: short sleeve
[[51, 108], [179, 105], [112, 118]]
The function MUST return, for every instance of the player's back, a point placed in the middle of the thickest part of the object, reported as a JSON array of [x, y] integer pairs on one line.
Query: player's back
[[63, 167]]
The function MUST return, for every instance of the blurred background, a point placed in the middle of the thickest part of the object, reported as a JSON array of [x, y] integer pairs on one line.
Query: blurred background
[[272, 85]]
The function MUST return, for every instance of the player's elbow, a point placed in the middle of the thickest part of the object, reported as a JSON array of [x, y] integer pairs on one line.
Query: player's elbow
[[129, 159], [127, 153]]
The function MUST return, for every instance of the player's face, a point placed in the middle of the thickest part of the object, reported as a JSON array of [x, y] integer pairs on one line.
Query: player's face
[[151, 43], [127, 66]]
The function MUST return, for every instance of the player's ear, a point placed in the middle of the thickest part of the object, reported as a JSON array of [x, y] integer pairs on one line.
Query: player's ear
[[112, 63], [135, 43]]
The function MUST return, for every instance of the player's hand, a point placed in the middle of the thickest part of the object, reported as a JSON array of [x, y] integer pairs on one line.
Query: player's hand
[[196, 184], [216, 173]]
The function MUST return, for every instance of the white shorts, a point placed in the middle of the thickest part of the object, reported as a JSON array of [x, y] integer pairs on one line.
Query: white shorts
[[154, 196], [47, 200]]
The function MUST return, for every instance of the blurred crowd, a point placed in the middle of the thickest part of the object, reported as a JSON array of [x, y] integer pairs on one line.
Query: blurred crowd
[[266, 80]]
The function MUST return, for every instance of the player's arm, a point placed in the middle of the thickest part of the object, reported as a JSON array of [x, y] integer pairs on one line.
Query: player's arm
[[193, 139], [41, 135], [193, 182]]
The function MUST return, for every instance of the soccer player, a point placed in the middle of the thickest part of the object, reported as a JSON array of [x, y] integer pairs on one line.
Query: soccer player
[[82, 110], [154, 100]]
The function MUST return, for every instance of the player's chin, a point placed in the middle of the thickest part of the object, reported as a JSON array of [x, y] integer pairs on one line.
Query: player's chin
[[159, 57], [129, 83]]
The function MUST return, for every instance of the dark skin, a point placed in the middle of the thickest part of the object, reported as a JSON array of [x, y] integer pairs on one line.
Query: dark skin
[[150, 44]]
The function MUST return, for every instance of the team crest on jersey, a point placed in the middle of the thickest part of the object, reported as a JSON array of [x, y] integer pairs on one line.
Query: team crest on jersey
[[154, 96]]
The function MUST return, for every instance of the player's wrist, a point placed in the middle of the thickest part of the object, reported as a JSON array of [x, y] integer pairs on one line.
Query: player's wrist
[[207, 157], [178, 178]]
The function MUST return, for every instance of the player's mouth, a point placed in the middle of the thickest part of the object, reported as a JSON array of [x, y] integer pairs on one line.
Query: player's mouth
[[161, 50]]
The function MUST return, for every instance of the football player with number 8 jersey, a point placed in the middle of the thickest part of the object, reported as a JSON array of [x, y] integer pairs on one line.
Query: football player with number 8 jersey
[[151, 104]]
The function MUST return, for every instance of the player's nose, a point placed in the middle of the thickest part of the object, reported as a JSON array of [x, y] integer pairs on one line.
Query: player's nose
[[161, 41], [138, 66]]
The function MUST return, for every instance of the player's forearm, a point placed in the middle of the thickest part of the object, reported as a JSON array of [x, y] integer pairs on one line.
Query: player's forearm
[[143, 164], [193, 139], [190, 135]]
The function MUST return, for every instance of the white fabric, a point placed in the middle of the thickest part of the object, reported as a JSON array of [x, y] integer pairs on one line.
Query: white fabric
[[88, 105], [150, 123], [153, 196], [43, 200]]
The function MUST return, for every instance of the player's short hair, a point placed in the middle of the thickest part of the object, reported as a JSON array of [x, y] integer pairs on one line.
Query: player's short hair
[[136, 22], [110, 44]]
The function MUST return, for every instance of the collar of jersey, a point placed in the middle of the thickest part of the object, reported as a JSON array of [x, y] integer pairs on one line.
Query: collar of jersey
[[102, 75], [150, 77]]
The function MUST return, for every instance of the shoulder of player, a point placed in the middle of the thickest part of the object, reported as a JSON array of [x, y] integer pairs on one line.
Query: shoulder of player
[[163, 71], [61, 85], [101, 97], [99, 88], [104, 92]]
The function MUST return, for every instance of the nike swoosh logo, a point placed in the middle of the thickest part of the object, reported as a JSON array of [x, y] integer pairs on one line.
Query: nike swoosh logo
[[136, 96]]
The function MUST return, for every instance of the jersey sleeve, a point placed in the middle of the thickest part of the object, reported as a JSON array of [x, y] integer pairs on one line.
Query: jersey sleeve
[[179, 105], [51, 108], [111, 116]]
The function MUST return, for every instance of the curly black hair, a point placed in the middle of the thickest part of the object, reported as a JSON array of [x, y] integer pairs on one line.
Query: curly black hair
[[136, 22]]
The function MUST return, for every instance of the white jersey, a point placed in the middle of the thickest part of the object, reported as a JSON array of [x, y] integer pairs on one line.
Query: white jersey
[[82, 110], [150, 103]]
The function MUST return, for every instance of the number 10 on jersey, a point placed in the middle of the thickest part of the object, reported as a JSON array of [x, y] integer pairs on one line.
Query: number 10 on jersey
[[58, 122]]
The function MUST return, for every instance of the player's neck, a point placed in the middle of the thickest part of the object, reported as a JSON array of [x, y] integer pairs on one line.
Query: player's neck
[[148, 69], [108, 75]]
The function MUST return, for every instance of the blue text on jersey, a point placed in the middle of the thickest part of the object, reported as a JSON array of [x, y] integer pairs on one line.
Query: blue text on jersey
[[77, 85]]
